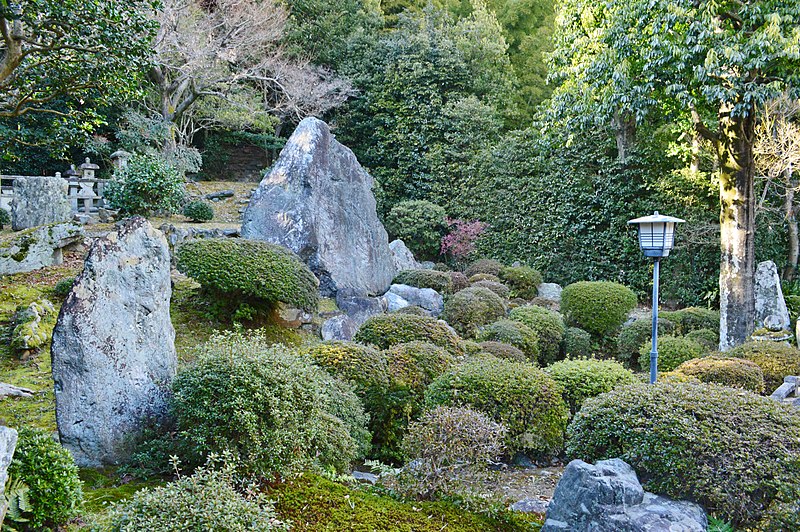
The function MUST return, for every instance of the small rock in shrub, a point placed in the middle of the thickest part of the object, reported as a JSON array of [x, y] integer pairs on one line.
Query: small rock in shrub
[[599, 307], [577, 342], [584, 378], [776, 359], [498, 288], [502, 350], [487, 266], [420, 224], [633, 335], [198, 211], [522, 280], [736, 453], [519, 396], [515, 333], [672, 352], [693, 318], [472, 308], [439, 281], [727, 371], [386, 330], [548, 326]]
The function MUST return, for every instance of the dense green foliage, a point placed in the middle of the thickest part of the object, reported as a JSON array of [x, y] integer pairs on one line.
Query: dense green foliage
[[49, 472], [198, 211], [548, 325], [442, 282], [420, 225], [581, 379], [471, 308], [776, 359], [239, 269], [633, 336], [733, 372], [692, 319], [599, 307], [145, 186], [672, 352], [5, 218], [386, 330], [363, 366], [522, 280], [514, 333], [708, 338], [270, 407], [730, 452], [577, 342], [519, 396]]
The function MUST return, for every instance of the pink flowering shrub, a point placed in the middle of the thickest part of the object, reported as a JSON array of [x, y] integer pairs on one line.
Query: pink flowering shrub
[[460, 242]]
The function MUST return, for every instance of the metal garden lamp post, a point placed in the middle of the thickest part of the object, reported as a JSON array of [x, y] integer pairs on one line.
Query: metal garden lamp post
[[656, 238]]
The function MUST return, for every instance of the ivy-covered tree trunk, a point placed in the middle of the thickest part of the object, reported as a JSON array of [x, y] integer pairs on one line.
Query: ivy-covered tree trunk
[[791, 219], [737, 228], [625, 134]]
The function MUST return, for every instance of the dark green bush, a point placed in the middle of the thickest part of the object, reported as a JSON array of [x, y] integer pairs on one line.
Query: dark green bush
[[577, 342], [145, 186], [583, 378], [50, 473], [733, 453], [471, 308], [386, 330], [776, 359], [498, 288], [599, 307], [501, 350], [727, 371], [5, 218], [706, 337], [63, 287], [523, 281], [692, 319], [439, 281], [420, 224], [198, 211], [519, 396], [632, 336], [486, 266], [672, 352], [515, 333], [548, 326], [241, 268], [272, 408]]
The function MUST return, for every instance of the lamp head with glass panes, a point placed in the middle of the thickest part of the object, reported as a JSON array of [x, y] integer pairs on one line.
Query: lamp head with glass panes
[[656, 234]]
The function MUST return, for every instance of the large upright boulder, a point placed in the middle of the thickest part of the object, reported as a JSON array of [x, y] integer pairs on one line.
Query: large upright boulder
[[39, 201], [317, 201], [113, 346], [769, 298]]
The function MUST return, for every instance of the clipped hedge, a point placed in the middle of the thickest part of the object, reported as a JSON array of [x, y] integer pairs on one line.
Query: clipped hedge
[[487, 266], [776, 359], [672, 352], [727, 371], [733, 453], [693, 318], [502, 350], [498, 288], [198, 211], [439, 281], [599, 307], [523, 281], [549, 327], [582, 379], [632, 336], [472, 308], [386, 330], [519, 396], [362, 365], [515, 333], [576, 343], [239, 267]]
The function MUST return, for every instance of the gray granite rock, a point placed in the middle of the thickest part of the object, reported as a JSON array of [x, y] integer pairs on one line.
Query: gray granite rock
[[317, 201], [360, 308], [425, 298], [37, 248], [113, 346], [39, 201], [769, 298], [394, 302], [607, 497], [530, 506], [403, 258], [341, 327], [366, 478], [8, 443], [550, 291], [222, 194]]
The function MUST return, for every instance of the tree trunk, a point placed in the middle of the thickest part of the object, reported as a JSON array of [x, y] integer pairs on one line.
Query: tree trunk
[[625, 134], [737, 227], [791, 219]]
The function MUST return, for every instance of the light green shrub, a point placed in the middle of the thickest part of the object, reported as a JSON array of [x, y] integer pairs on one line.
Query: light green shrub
[[577, 342], [471, 308], [442, 282], [632, 336], [727, 371], [693, 318], [523, 281], [708, 338], [386, 330], [549, 327], [198, 211], [581, 379], [515, 333], [776, 359], [672, 352], [420, 224], [145, 186], [363, 366], [599, 307]]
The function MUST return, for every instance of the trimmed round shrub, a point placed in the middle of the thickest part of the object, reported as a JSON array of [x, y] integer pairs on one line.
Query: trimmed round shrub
[[470, 348], [519, 396], [515, 333], [581, 379], [706, 337], [672, 352], [599, 307], [5, 218], [48, 470], [363, 366], [240, 268], [272, 408], [776, 359], [386, 330], [414, 310], [147, 185], [198, 211], [472, 308], [733, 453], [692, 319], [64, 286], [548, 326], [460, 281], [727, 371], [577, 342], [523, 281], [487, 266], [420, 225], [632, 336], [498, 288], [439, 281], [414, 365], [207, 500], [502, 350], [478, 277]]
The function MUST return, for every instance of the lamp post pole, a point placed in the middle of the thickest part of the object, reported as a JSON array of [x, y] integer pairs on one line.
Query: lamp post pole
[[654, 350]]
